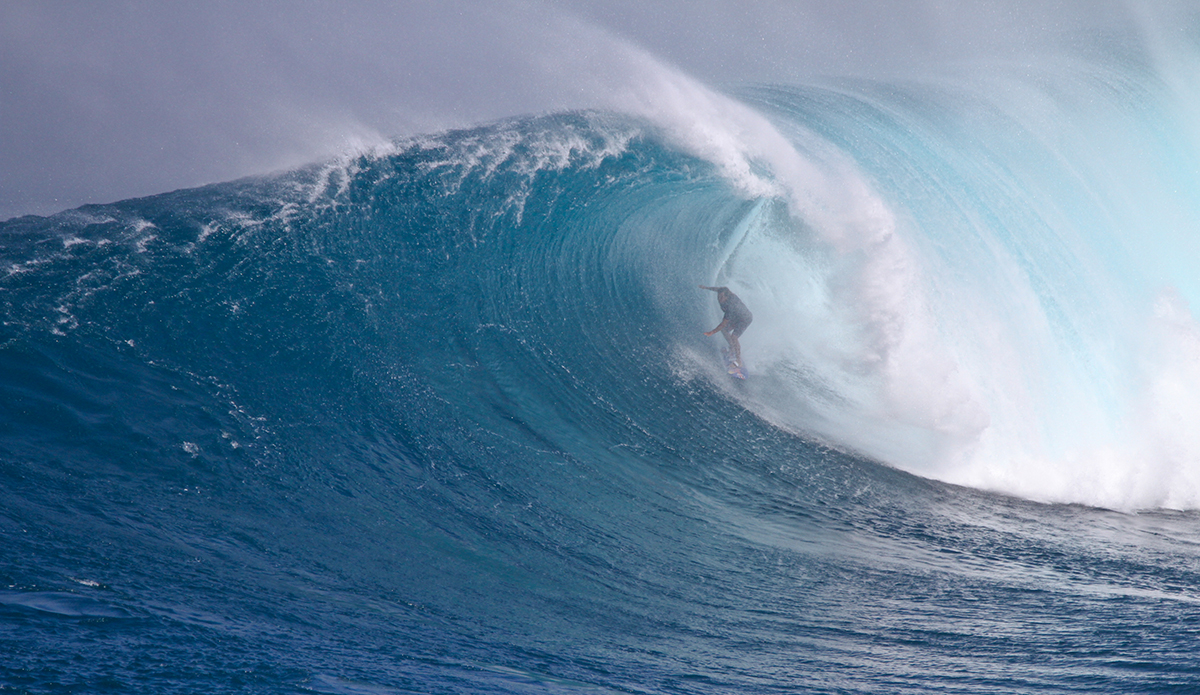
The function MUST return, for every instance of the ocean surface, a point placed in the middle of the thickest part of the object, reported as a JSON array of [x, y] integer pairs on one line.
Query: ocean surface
[[440, 417]]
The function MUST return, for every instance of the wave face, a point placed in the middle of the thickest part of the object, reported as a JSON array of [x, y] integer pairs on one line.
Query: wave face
[[441, 418]]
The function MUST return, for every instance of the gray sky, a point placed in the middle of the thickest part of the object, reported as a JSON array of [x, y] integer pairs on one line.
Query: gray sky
[[106, 100]]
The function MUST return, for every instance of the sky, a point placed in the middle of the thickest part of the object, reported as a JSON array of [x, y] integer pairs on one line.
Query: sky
[[112, 99]]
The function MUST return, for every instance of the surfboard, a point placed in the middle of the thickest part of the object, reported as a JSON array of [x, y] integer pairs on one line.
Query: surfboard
[[735, 370]]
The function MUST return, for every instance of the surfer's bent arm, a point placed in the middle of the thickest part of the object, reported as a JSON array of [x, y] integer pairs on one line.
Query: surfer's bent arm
[[723, 324]]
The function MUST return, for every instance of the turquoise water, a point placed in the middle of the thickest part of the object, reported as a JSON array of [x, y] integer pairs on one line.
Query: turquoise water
[[440, 417]]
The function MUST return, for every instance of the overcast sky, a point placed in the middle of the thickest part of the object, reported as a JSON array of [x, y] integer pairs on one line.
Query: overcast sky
[[106, 100]]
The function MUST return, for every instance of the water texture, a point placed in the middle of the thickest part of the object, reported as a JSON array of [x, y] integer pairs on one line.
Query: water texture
[[440, 417]]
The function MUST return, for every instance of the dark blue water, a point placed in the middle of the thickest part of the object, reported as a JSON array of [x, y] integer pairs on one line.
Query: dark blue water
[[441, 418]]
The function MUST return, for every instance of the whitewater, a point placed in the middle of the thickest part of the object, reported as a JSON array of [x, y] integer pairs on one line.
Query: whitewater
[[439, 416]]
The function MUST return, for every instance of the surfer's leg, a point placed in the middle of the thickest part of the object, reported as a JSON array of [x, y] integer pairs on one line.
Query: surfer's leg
[[732, 336], [734, 346]]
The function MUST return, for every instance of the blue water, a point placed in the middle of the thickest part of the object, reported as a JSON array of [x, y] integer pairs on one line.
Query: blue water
[[440, 417]]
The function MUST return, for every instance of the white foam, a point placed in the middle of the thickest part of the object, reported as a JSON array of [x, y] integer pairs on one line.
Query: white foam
[[876, 346], [901, 395]]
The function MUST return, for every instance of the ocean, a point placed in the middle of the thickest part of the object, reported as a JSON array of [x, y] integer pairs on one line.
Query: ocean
[[440, 417]]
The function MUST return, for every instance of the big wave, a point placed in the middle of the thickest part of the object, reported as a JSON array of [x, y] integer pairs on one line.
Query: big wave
[[943, 280], [449, 401]]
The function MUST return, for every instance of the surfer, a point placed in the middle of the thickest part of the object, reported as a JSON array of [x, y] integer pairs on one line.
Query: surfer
[[736, 318]]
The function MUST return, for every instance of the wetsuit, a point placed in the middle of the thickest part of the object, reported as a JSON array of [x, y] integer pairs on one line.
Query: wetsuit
[[736, 313]]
